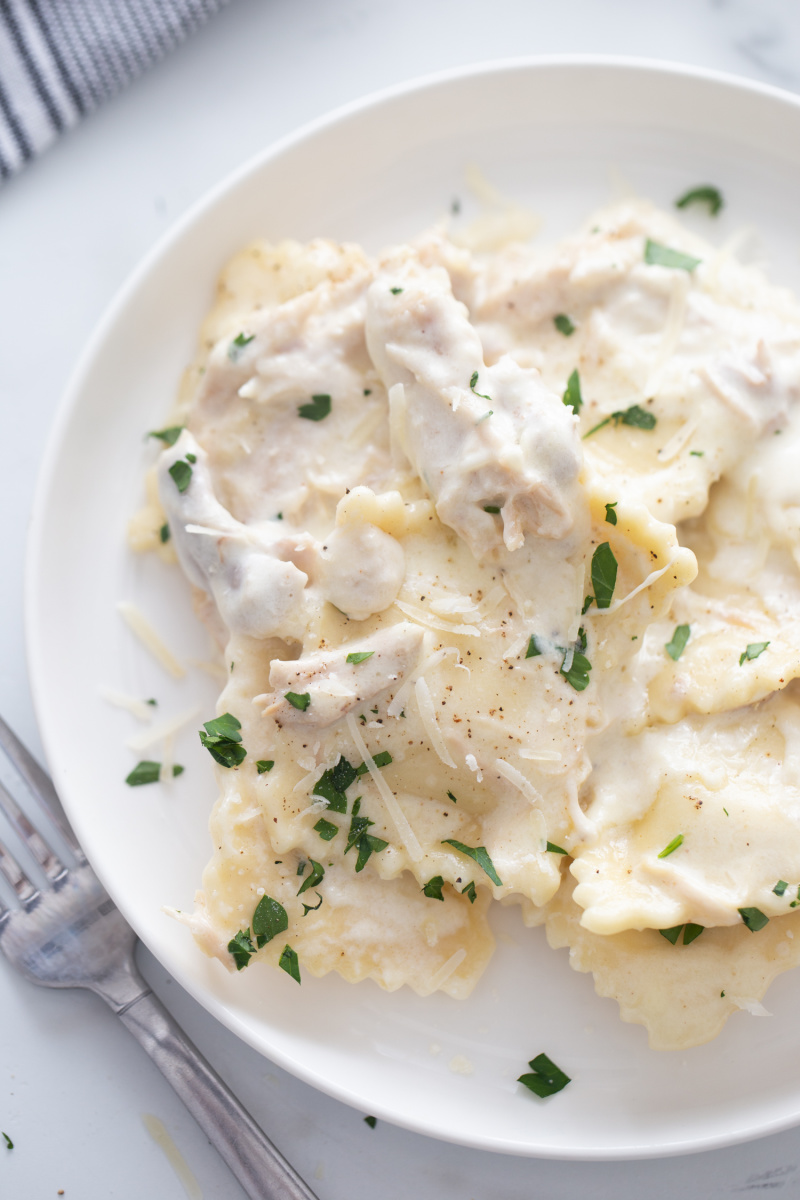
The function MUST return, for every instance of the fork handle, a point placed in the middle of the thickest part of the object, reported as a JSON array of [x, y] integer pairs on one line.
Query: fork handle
[[260, 1168]]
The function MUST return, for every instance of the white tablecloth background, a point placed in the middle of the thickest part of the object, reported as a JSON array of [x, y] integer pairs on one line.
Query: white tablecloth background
[[73, 1085]]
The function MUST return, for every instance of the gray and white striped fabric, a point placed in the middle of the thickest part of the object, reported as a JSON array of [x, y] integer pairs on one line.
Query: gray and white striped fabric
[[59, 59]]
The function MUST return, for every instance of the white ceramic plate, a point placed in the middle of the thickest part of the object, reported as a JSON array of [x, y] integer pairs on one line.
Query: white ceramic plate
[[556, 135]]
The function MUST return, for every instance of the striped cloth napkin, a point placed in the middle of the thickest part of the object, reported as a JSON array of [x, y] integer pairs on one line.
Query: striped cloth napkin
[[59, 59]]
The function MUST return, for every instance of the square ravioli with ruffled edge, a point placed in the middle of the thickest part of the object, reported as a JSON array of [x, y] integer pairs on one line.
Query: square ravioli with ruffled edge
[[500, 554]]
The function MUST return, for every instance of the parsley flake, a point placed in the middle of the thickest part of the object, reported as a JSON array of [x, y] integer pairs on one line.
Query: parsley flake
[[575, 668], [317, 410], [657, 255], [753, 918], [472, 382], [269, 919], [265, 764], [300, 700], [611, 516], [780, 887], [381, 759], [671, 846], [316, 876], [752, 651], [238, 344], [452, 797], [326, 829], [359, 656], [563, 324], [705, 194], [395, 291], [672, 934], [587, 604], [691, 932], [469, 892], [168, 436], [635, 416], [478, 854], [148, 772], [677, 643], [554, 849], [373, 1121], [289, 962], [697, 453], [433, 888], [9, 1143], [491, 508], [546, 1078], [307, 908], [604, 575], [242, 949], [222, 740], [533, 650], [181, 473], [572, 397], [333, 784], [164, 534]]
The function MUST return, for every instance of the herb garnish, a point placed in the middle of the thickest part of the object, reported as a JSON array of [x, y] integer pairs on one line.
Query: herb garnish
[[563, 324], [572, 396], [677, 643], [373, 1121], [611, 516], [546, 1079], [604, 574], [9, 1143], [671, 846], [265, 764], [575, 668], [359, 656], [181, 472], [164, 534], [289, 962], [478, 854], [452, 797], [222, 740], [671, 934], [635, 416], [554, 849], [697, 453], [657, 255], [333, 784], [365, 842], [168, 436], [238, 344], [148, 772], [587, 604], [317, 410], [381, 759], [242, 949], [533, 650], [469, 892], [491, 508], [752, 651], [753, 918], [326, 829], [780, 887], [395, 291], [433, 888], [705, 194], [269, 919], [307, 908], [316, 876], [472, 382], [299, 700], [690, 932]]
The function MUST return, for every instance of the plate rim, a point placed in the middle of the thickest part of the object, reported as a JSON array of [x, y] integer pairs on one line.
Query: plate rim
[[70, 399]]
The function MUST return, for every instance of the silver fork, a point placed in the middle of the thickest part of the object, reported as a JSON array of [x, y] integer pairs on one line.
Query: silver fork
[[69, 933]]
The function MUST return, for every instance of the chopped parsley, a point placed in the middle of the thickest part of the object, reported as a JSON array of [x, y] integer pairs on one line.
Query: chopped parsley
[[152, 702], [289, 962], [563, 324], [381, 759], [265, 764], [753, 918], [533, 650], [395, 291], [697, 453], [241, 948], [359, 656], [238, 344], [604, 575], [333, 784], [365, 843], [705, 194], [326, 829], [307, 908], [164, 534], [575, 668], [269, 919], [222, 740], [546, 1078], [181, 473], [671, 846], [373, 1121], [690, 932], [433, 888], [752, 651], [572, 396], [611, 516], [317, 410], [478, 854], [148, 772], [491, 508], [452, 797], [657, 255], [635, 416], [192, 458], [780, 887], [299, 700], [472, 382], [587, 604], [168, 436], [671, 934], [316, 876], [677, 643], [554, 849], [9, 1143], [469, 892]]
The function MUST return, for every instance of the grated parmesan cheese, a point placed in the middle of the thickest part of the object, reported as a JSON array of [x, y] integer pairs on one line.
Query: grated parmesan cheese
[[138, 623]]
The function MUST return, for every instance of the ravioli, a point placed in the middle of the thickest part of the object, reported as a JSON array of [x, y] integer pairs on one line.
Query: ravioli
[[443, 513]]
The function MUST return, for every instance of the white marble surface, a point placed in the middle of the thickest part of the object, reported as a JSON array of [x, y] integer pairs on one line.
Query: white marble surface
[[73, 1085]]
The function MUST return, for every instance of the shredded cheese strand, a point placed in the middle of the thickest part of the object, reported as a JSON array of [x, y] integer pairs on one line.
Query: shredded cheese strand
[[446, 969], [423, 617], [404, 830], [517, 780], [428, 714], [159, 733], [651, 578], [138, 623], [139, 708]]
